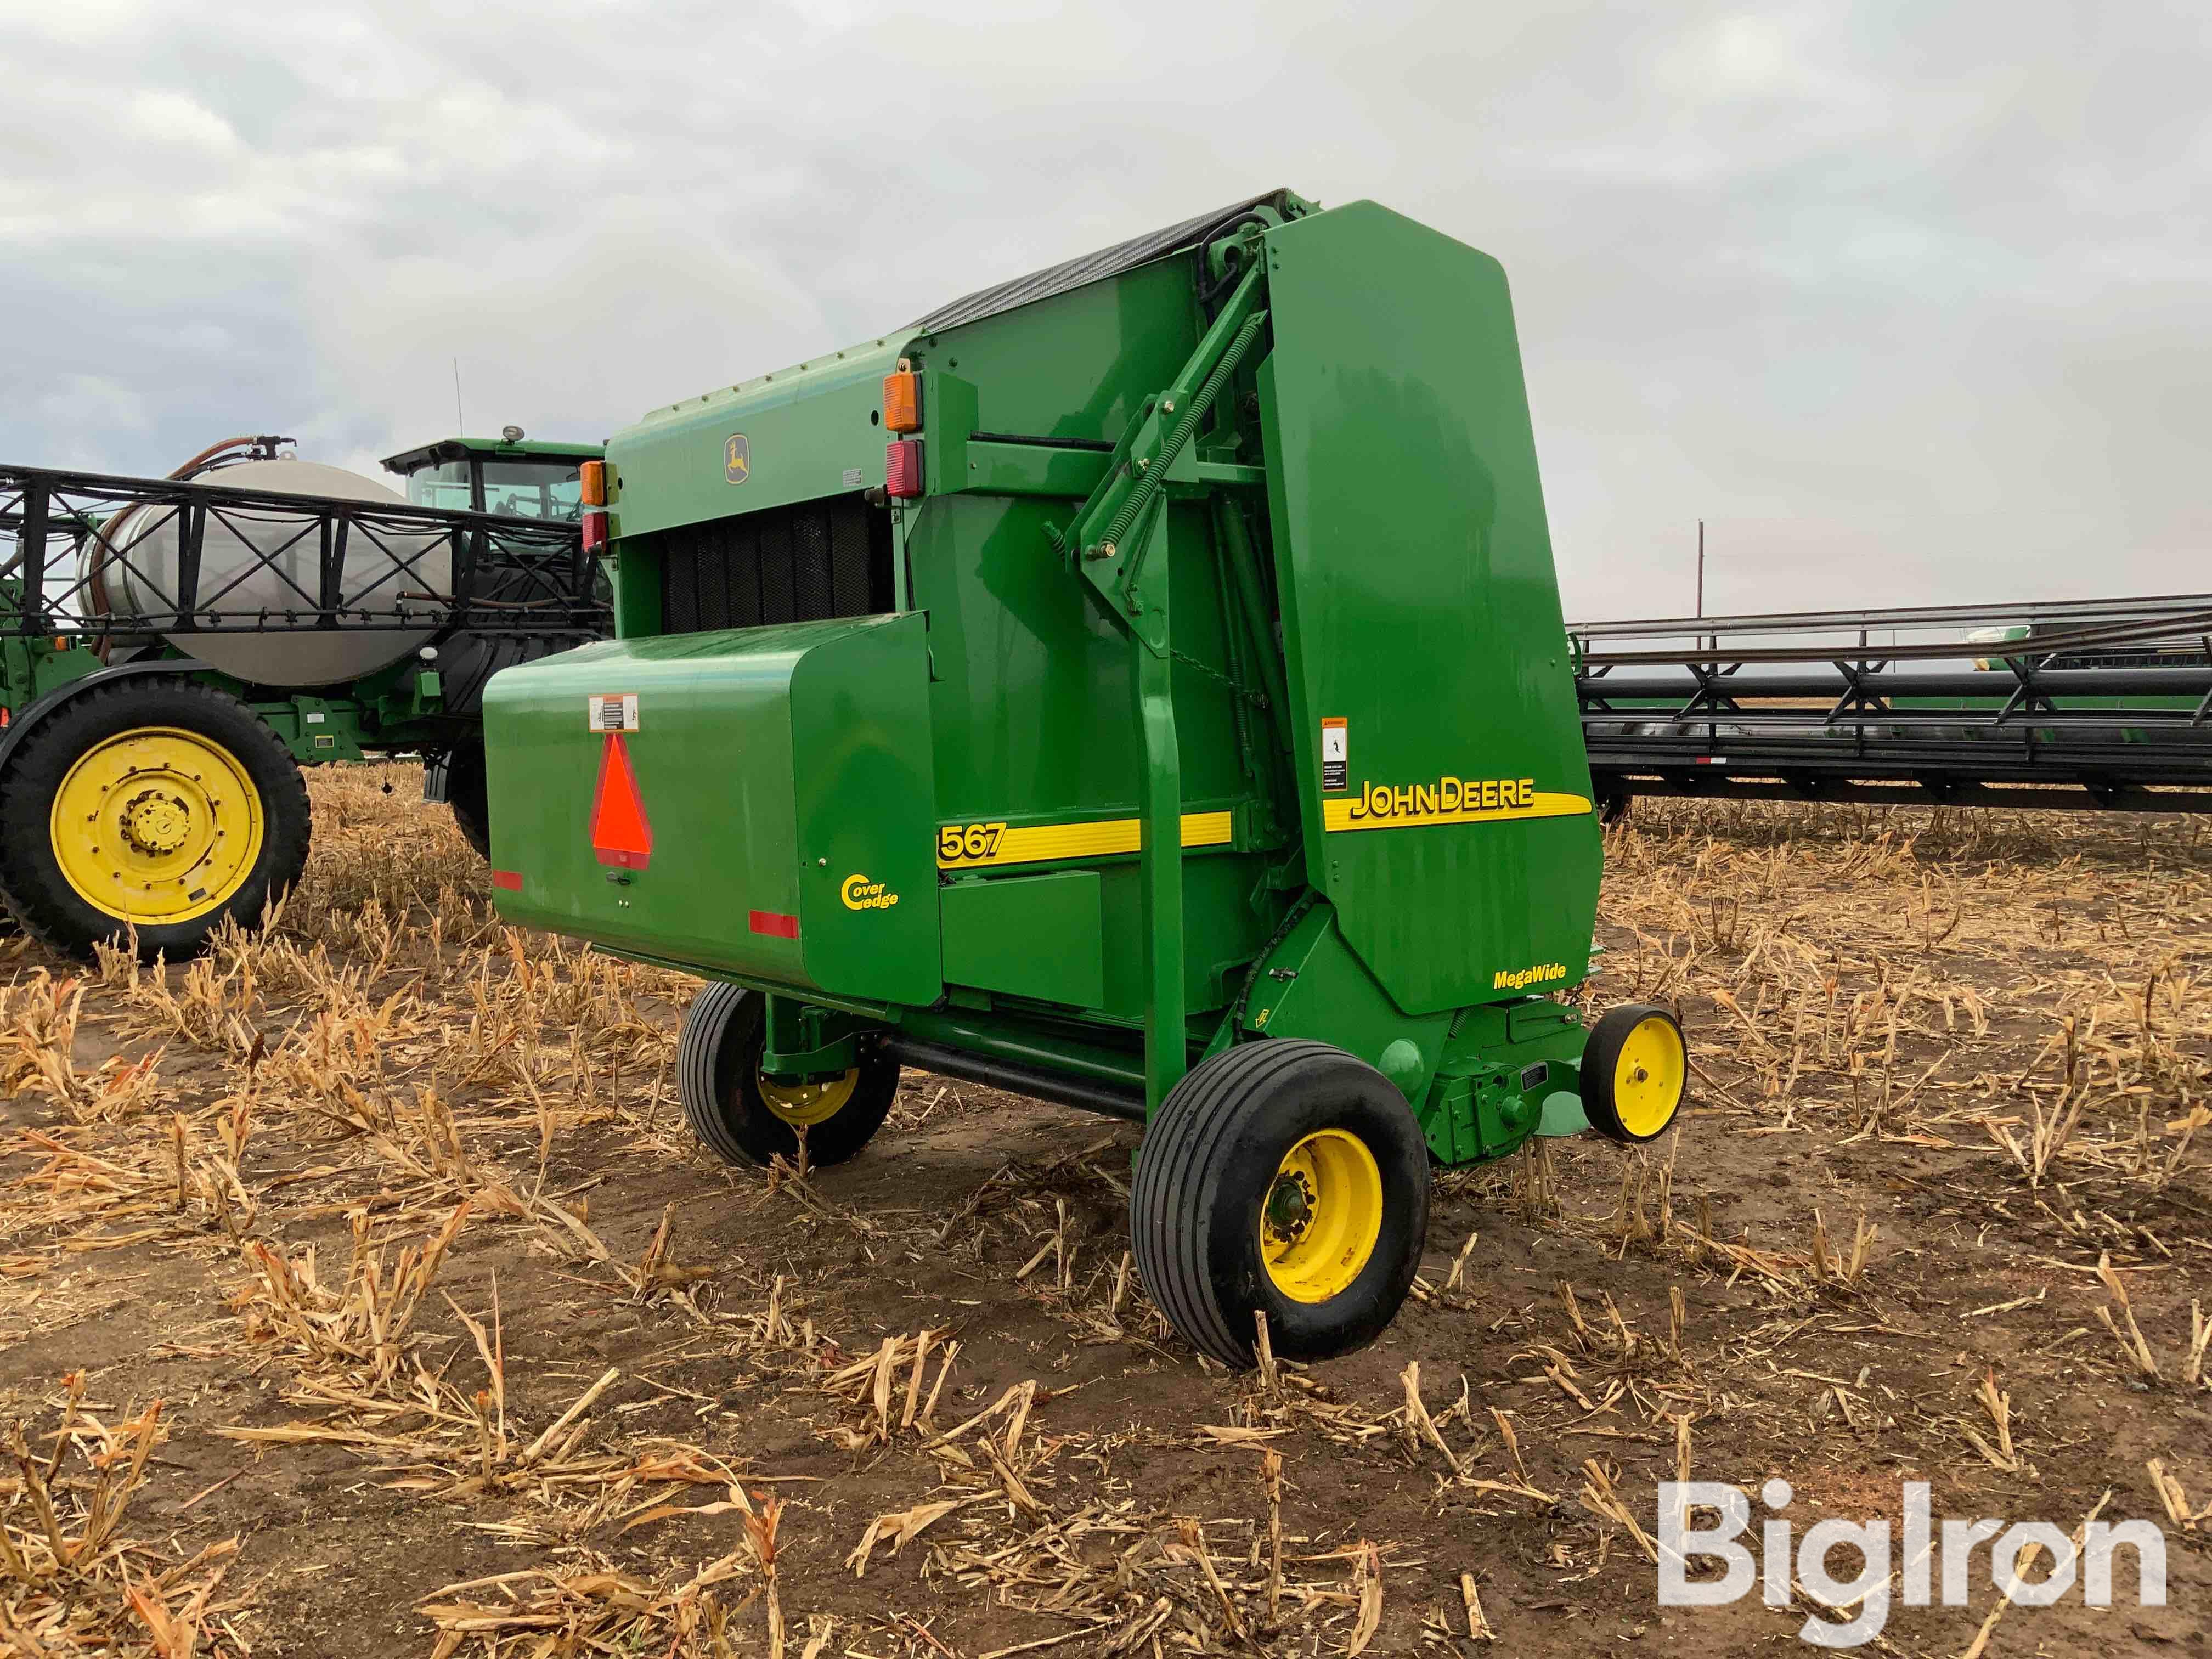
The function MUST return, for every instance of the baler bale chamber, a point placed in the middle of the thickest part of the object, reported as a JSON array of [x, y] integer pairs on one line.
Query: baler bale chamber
[[1142, 685]]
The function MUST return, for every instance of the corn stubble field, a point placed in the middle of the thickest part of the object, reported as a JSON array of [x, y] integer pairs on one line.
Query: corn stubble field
[[361, 1294]]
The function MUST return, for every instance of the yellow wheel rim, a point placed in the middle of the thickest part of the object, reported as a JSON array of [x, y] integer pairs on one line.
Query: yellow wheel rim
[[1321, 1216], [156, 825], [805, 1105], [1649, 1076]]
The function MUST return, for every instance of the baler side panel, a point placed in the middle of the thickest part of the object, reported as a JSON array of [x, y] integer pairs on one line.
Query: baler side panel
[[1077, 366], [1030, 715], [1420, 608], [795, 435], [867, 873], [711, 756], [773, 765]]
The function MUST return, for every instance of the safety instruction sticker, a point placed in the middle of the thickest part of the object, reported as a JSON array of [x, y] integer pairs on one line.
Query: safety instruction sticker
[[615, 711], [1335, 754]]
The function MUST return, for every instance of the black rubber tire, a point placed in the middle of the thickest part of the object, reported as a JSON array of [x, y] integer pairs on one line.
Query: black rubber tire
[[468, 796], [718, 1077], [1205, 1168], [41, 899], [1602, 1056]]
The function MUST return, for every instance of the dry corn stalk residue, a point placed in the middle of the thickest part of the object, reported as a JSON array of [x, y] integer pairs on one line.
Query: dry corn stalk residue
[[359, 1293]]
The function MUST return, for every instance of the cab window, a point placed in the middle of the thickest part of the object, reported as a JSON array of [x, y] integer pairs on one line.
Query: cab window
[[446, 485], [533, 490]]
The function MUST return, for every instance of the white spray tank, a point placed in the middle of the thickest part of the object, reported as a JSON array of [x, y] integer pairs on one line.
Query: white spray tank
[[262, 560]]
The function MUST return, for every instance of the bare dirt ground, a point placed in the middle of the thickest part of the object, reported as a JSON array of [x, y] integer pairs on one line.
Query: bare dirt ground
[[361, 1294]]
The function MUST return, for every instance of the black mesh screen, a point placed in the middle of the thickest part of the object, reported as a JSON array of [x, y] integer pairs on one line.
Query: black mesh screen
[[804, 562]]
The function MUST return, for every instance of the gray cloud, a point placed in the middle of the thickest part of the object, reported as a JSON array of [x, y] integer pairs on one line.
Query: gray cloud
[[1908, 302]]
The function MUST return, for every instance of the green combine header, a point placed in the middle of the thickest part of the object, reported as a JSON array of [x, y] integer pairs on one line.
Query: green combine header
[[1142, 685]]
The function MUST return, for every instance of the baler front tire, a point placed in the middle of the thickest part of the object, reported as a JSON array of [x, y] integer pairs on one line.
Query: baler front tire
[[1253, 1125], [718, 1077], [468, 796]]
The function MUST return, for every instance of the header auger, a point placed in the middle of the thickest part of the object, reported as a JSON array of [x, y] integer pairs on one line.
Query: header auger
[[1142, 685]]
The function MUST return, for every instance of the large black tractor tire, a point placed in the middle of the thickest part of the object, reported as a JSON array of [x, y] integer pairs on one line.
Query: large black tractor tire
[[1635, 1074], [744, 1118], [468, 796], [162, 803], [1287, 1177]]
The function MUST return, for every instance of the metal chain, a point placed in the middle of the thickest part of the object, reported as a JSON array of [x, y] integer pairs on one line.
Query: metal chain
[[1237, 688]]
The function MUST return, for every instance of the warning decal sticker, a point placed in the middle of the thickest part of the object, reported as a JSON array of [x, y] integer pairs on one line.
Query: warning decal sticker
[[1335, 754], [616, 712]]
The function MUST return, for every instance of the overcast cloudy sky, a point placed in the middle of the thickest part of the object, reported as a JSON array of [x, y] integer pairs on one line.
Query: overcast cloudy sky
[[1909, 302]]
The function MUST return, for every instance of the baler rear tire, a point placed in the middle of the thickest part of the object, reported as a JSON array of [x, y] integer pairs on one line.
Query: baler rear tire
[[1206, 1170], [718, 1078]]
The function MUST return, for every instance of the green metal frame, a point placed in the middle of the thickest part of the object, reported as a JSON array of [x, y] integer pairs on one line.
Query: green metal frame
[[1276, 482], [1118, 544]]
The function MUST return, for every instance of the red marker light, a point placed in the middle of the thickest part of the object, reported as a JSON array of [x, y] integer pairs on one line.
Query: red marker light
[[902, 469], [595, 532]]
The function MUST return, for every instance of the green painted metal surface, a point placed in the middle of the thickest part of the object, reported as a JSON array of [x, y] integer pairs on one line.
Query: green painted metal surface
[[1504, 1067], [1079, 365], [784, 778], [1032, 709], [800, 433], [1315, 986], [991, 927], [1420, 608], [1177, 522]]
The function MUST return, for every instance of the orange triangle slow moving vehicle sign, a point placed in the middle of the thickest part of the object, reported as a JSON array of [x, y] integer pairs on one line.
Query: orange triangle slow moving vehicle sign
[[621, 833]]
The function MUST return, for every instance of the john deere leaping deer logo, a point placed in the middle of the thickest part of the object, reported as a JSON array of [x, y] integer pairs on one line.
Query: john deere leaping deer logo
[[737, 459]]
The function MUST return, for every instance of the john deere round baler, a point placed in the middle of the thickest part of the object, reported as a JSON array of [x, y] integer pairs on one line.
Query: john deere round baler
[[1140, 685]]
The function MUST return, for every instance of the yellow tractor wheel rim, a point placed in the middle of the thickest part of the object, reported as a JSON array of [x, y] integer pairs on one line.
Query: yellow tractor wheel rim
[[1320, 1216], [1649, 1076], [156, 825], [805, 1105]]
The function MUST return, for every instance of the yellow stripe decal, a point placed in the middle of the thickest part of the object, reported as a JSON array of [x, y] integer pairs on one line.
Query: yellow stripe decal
[[983, 845], [1349, 813]]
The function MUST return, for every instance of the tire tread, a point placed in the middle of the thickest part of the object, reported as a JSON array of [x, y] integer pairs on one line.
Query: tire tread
[[1170, 1204], [285, 803]]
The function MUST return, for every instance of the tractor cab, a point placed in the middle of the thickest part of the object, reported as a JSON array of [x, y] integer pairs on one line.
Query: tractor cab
[[509, 474]]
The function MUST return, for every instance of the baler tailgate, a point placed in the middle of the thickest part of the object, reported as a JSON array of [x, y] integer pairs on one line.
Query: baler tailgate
[[1406, 506]]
